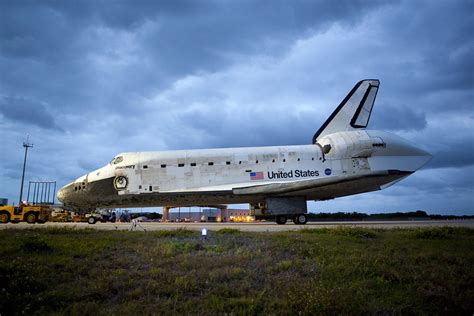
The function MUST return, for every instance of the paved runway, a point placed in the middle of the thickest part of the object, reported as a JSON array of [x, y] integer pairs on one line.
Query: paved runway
[[254, 227]]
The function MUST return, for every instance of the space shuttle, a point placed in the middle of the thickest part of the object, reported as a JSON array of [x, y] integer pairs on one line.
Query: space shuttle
[[344, 158]]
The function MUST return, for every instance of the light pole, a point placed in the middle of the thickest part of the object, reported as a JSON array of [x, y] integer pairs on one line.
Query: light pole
[[26, 145]]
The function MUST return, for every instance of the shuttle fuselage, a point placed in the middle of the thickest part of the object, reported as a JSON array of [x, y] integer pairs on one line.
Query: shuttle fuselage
[[344, 159]]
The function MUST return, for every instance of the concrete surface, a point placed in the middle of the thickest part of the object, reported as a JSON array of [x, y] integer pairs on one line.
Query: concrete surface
[[255, 227]]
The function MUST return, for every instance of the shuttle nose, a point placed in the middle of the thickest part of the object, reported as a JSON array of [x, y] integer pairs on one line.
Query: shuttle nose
[[60, 195], [423, 157], [64, 194], [399, 154]]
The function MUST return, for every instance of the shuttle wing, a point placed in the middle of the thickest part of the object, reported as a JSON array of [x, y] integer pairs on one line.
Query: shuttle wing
[[353, 112], [291, 187]]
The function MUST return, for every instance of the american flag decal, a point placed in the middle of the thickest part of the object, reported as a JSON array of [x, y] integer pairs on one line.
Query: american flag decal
[[256, 175]]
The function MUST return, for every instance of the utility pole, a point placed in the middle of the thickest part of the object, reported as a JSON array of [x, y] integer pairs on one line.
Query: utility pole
[[26, 145]]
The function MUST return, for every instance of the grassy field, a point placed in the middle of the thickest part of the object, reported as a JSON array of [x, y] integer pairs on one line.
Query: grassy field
[[320, 271]]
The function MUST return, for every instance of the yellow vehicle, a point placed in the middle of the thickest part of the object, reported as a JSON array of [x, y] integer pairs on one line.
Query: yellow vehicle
[[79, 218], [61, 216], [27, 213]]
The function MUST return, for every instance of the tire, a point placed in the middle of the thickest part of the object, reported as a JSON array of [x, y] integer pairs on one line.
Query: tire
[[300, 219], [31, 217], [91, 220], [4, 217], [281, 219]]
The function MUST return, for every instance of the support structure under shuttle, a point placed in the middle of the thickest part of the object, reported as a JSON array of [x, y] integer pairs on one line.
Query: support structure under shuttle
[[343, 159]]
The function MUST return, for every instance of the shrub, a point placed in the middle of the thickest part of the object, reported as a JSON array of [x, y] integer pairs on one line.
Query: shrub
[[433, 233], [357, 232], [35, 245], [228, 231], [323, 230], [180, 232]]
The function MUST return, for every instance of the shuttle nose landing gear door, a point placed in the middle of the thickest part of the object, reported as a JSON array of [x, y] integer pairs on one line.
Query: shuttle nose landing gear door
[[120, 183], [125, 182]]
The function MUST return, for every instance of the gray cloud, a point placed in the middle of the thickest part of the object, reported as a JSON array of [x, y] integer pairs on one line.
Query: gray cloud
[[458, 154], [397, 117], [26, 111]]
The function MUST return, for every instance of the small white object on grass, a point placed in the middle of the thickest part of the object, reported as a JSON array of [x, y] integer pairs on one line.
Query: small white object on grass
[[204, 232]]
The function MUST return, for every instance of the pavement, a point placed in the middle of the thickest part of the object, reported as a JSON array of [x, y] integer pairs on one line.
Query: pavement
[[251, 227]]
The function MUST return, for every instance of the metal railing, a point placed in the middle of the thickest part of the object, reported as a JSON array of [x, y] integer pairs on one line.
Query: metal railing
[[42, 192]]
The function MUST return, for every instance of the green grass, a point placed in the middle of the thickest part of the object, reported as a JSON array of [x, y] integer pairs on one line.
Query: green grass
[[313, 271]]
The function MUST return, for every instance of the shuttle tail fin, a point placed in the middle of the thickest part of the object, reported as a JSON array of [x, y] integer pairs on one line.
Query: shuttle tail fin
[[353, 112]]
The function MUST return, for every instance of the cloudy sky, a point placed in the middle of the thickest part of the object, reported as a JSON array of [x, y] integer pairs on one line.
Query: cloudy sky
[[89, 79]]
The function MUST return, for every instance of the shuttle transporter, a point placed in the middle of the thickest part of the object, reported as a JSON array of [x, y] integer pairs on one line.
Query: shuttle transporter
[[343, 159]]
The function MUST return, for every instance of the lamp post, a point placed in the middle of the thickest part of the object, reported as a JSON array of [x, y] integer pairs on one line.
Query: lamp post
[[26, 145]]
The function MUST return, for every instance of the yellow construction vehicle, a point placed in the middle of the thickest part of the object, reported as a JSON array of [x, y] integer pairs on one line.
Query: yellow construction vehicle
[[24, 212], [60, 215], [79, 218]]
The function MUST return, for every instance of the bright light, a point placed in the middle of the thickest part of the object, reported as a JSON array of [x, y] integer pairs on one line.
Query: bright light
[[241, 218], [204, 232]]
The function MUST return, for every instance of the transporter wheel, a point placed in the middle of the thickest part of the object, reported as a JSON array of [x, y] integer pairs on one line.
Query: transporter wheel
[[4, 217], [300, 219], [91, 220], [281, 219], [31, 218]]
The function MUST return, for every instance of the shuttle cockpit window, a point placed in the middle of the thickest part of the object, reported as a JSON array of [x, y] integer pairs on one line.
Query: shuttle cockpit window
[[116, 160]]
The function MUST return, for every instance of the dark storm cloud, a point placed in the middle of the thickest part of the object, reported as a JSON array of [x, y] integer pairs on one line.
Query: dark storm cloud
[[397, 117], [255, 128], [174, 37], [458, 154], [121, 49], [443, 41], [22, 110]]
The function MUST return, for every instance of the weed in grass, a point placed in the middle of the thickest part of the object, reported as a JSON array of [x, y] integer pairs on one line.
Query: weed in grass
[[357, 232], [213, 248], [240, 306], [245, 252], [228, 231], [180, 232], [322, 230], [433, 233], [68, 230], [37, 245], [185, 283], [284, 265], [135, 293], [85, 308], [236, 272], [173, 248]]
